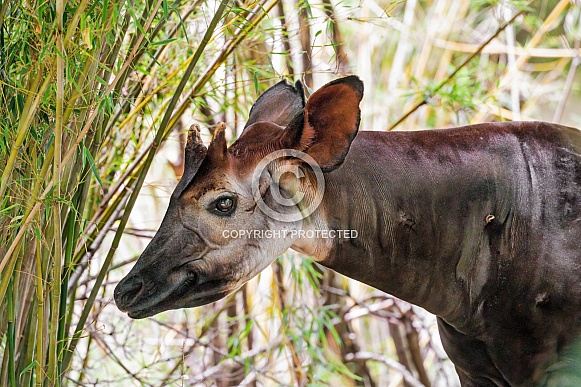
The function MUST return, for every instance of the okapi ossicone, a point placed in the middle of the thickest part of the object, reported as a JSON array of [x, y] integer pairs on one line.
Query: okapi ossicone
[[480, 225]]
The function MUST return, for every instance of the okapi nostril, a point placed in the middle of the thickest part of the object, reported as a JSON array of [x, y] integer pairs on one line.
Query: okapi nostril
[[127, 290]]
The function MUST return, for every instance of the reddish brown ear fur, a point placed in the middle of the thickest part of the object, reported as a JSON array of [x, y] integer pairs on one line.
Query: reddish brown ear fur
[[331, 121], [324, 130]]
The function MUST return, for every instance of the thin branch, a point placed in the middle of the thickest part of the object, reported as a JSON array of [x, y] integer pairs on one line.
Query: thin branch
[[453, 74], [568, 83], [233, 360], [408, 377]]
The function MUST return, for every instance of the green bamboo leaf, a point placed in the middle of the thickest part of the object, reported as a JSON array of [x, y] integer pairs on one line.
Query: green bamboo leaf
[[3, 210], [89, 158], [28, 367], [165, 8], [161, 42], [255, 81], [104, 13]]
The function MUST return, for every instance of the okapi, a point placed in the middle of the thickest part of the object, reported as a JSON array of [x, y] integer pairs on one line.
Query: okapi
[[480, 225]]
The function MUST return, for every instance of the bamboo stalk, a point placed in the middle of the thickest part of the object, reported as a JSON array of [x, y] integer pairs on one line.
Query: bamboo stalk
[[261, 11], [285, 37], [53, 372], [73, 22], [110, 88], [11, 339], [85, 313], [40, 347], [63, 291], [305, 39], [94, 112], [30, 106]]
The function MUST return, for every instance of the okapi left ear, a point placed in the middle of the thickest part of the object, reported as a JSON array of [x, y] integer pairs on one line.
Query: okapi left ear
[[279, 104], [329, 123]]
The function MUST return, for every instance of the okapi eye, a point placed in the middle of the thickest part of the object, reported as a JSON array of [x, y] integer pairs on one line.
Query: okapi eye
[[225, 206]]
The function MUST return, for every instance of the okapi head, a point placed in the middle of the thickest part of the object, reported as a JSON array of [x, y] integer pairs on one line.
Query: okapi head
[[194, 258]]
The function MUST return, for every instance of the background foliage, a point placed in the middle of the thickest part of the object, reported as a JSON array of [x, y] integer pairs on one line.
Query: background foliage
[[91, 90]]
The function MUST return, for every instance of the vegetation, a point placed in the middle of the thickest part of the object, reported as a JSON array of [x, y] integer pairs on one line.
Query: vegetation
[[95, 98]]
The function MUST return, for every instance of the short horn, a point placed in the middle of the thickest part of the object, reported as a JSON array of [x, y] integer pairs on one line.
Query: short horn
[[218, 146], [195, 153]]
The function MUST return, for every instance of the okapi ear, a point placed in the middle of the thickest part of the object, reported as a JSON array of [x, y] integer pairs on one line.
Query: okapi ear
[[195, 153], [329, 123], [279, 104]]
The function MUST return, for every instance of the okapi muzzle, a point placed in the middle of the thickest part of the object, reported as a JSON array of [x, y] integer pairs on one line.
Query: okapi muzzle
[[480, 225]]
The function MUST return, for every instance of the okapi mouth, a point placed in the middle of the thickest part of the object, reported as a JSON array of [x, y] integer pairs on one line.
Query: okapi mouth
[[189, 292]]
